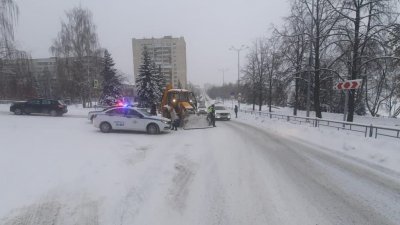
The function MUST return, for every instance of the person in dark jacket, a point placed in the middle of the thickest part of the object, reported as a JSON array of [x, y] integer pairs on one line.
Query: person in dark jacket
[[153, 110], [212, 115], [236, 110]]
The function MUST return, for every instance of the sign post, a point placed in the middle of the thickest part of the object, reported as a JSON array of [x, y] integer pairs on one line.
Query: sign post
[[346, 86], [346, 104]]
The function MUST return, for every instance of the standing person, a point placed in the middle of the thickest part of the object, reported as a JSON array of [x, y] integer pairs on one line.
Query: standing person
[[174, 119], [153, 110], [212, 115], [236, 110]]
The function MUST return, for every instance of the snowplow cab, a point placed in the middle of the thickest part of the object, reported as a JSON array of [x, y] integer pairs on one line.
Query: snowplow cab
[[182, 100]]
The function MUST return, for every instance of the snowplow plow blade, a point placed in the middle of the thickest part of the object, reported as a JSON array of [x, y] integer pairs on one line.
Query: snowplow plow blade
[[196, 121]]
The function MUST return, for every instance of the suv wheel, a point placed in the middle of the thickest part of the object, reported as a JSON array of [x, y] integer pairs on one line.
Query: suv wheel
[[53, 112], [18, 111], [105, 127], [153, 129]]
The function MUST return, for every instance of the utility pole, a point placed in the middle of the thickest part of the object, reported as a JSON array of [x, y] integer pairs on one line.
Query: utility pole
[[242, 47], [310, 61], [223, 70]]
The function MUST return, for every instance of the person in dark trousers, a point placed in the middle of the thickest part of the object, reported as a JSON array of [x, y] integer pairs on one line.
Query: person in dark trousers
[[236, 110], [212, 115], [174, 119], [153, 110]]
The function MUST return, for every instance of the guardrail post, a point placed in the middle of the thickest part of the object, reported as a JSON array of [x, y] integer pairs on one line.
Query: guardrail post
[[288, 118], [366, 131], [376, 132], [371, 131]]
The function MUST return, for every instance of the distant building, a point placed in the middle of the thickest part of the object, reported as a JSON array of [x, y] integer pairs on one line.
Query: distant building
[[44, 65], [167, 52], [44, 70]]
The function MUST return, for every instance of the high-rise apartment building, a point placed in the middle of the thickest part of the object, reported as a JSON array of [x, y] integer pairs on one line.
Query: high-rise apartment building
[[167, 52]]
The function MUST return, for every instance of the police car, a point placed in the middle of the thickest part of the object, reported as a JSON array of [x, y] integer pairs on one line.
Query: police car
[[132, 119]]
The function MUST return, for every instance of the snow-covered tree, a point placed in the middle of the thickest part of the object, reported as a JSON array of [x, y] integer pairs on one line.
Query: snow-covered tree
[[159, 79], [147, 81], [111, 81]]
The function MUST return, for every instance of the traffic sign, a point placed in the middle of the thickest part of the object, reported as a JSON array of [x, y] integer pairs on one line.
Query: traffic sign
[[348, 84]]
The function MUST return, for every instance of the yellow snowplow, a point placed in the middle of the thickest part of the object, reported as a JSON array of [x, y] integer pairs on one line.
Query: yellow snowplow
[[185, 104]]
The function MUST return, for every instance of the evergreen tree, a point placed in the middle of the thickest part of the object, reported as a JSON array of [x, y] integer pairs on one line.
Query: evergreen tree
[[111, 81], [148, 81], [159, 79]]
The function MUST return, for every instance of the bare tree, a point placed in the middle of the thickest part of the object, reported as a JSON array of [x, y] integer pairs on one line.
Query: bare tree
[[362, 21], [323, 20], [249, 78], [77, 51], [8, 17], [294, 46], [260, 58]]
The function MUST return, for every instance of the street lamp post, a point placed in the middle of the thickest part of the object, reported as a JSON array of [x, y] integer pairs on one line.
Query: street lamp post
[[242, 47]]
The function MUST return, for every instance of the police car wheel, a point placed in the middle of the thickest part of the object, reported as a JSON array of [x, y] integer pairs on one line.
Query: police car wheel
[[153, 129], [105, 127]]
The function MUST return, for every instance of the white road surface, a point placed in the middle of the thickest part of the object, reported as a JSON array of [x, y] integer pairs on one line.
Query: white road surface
[[63, 171]]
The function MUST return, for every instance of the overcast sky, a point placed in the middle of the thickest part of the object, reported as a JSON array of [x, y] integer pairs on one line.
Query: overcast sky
[[210, 28]]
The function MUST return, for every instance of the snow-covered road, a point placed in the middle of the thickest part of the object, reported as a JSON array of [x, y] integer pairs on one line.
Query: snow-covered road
[[63, 171]]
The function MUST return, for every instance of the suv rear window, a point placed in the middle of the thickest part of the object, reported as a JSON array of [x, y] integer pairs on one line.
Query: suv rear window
[[46, 102], [34, 101]]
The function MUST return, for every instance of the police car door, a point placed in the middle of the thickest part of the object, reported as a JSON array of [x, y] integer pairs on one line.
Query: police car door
[[133, 119], [117, 118]]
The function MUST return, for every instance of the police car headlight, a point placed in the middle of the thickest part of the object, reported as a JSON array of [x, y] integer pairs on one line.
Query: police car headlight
[[166, 122]]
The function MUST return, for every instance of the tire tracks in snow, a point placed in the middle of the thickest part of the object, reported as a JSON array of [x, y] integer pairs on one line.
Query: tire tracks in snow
[[184, 176], [56, 211]]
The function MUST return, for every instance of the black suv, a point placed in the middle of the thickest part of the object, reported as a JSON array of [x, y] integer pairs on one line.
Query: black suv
[[44, 106]]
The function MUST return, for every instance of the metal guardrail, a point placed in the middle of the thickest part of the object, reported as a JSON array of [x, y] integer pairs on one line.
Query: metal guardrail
[[368, 130]]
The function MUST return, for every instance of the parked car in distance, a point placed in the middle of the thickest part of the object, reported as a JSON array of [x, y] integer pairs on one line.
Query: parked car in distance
[[202, 110], [132, 119], [42, 106], [221, 113]]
